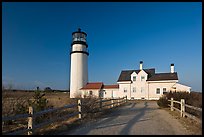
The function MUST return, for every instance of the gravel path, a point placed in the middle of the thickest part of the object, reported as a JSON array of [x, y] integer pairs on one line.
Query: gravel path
[[141, 118]]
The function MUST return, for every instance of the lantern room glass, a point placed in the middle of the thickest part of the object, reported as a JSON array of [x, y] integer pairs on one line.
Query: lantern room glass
[[79, 37]]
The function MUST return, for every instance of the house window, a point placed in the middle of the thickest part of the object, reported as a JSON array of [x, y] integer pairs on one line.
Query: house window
[[125, 90], [164, 91], [134, 78], [142, 78], [142, 89], [158, 90], [134, 89], [90, 93]]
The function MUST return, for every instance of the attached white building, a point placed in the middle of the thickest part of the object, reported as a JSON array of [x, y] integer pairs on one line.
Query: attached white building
[[138, 84], [98, 89]]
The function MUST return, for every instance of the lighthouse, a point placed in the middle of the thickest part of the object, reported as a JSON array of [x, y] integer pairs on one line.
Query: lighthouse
[[79, 63]]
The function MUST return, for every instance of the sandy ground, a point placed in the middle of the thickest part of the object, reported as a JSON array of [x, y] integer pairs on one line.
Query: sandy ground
[[135, 118]]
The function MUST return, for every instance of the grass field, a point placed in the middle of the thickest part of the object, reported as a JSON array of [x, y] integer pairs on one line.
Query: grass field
[[13, 100]]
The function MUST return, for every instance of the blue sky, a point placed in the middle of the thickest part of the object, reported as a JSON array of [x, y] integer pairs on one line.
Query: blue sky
[[36, 40]]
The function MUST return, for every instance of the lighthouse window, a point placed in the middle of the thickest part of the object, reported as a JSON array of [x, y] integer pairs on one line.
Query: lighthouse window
[[83, 39], [125, 90]]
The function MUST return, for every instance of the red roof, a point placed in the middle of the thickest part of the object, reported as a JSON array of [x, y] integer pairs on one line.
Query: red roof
[[95, 85], [111, 86]]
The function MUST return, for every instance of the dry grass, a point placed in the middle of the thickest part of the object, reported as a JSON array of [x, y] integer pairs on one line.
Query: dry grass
[[193, 126], [56, 100], [58, 127], [12, 100]]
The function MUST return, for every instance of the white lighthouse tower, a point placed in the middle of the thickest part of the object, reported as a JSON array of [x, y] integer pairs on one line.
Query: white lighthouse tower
[[79, 63]]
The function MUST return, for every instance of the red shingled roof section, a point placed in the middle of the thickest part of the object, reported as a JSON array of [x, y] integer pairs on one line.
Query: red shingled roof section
[[110, 86], [94, 85]]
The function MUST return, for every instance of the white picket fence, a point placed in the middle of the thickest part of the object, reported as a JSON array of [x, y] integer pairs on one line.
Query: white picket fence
[[31, 115]]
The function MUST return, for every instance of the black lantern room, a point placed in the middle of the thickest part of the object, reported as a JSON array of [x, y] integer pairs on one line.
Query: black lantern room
[[79, 37]]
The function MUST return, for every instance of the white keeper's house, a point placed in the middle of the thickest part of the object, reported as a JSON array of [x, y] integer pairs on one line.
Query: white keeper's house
[[135, 84]]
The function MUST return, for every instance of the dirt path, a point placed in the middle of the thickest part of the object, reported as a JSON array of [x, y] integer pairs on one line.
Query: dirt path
[[143, 118]]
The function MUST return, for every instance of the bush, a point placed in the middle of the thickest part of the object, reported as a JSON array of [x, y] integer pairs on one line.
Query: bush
[[90, 107], [90, 104], [162, 102], [39, 104], [192, 99], [48, 89], [21, 108]]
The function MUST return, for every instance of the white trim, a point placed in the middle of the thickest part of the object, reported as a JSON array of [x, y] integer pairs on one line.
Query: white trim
[[183, 85], [124, 82], [109, 88]]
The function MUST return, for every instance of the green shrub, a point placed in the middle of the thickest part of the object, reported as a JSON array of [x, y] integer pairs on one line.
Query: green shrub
[[192, 99], [40, 103], [21, 109], [162, 102]]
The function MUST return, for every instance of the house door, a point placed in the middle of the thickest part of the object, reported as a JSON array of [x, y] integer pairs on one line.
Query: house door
[[142, 93]]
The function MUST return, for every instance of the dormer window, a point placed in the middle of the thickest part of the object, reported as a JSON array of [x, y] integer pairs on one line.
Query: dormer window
[[134, 78], [142, 78]]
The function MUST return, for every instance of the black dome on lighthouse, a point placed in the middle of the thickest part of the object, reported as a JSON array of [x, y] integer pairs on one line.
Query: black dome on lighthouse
[[79, 31]]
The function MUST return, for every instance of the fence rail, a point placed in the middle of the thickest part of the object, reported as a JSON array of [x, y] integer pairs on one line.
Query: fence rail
[[195, 108], [15, 117], [31, 115], [18, 132], [182, 109], [55, 109]]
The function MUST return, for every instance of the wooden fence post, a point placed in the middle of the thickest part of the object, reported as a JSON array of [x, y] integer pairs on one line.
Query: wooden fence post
[[118, 102], [30, 120], [100, 104], [112, 103], [172, 104], [182, 107], [79, 108]]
